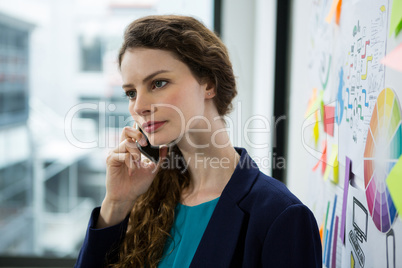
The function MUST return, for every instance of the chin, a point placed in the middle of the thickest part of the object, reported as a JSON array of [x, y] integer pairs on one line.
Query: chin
[[157, 140]]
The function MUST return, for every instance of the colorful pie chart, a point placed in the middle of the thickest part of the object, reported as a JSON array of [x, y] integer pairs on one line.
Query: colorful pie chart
[[382, 151]]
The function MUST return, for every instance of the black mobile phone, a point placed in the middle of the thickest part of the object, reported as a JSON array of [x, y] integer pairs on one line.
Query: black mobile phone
[[150, 151]]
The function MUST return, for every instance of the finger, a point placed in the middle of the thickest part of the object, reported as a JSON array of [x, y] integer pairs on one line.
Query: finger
[[132, 163], [127, 145], [116, 158], [133, 134]]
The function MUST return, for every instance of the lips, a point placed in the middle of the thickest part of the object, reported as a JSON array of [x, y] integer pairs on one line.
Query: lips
[[152, 126]]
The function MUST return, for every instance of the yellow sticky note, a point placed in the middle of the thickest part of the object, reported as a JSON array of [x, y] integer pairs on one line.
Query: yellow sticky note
[[335, 178], [316, 129], [333, 165], [394, 182], [396, 17]]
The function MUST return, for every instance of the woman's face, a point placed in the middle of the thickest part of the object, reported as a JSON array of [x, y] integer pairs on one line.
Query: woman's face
[[166, 100]]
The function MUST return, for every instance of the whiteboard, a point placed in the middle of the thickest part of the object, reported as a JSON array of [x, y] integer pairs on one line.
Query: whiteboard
[[345, 110]]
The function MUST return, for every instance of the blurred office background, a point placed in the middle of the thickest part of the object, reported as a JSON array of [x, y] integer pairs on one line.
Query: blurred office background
[[62, 106]]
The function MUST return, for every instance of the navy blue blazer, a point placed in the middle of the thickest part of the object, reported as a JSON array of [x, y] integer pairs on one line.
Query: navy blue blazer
[[257, 222]]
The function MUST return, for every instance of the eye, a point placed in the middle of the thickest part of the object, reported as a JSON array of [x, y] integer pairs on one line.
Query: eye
[[131, 94], [159, 83]]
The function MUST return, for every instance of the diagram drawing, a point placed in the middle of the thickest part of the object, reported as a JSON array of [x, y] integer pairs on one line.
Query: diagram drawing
[[382, 151]]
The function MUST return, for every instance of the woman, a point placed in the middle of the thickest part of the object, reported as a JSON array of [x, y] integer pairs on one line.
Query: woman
[[205, 203]]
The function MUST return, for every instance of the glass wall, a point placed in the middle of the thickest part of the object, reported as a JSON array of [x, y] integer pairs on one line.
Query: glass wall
[[61, 110]]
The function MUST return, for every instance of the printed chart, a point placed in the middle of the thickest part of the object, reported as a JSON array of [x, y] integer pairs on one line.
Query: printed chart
[[382, 151]]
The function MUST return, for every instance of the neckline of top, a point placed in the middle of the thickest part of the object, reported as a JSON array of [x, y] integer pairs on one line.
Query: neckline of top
[[201, 204]]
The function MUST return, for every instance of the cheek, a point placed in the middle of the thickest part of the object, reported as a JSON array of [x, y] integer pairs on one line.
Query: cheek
[[131, 111]]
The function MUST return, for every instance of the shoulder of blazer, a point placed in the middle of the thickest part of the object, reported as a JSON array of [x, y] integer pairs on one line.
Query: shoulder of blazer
[[253, 190]]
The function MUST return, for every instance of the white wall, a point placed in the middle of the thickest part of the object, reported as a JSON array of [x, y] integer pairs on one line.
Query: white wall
[[248, 30], [297, 156]]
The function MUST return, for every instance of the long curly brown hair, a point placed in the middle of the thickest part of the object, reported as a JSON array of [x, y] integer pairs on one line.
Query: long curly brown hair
[[204, 53]]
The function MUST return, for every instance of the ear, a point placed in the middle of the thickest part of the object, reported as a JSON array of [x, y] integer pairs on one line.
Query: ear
[[210, 91]]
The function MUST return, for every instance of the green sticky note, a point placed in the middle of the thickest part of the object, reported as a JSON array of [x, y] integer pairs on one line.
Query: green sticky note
[[394, 182], [396, 18]]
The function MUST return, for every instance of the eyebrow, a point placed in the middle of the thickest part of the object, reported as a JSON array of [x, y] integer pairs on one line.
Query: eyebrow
[[149, 77]]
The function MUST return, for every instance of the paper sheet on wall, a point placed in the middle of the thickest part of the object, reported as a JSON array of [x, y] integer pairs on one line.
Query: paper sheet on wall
[[362, 45], [365, 245], [321, 45]]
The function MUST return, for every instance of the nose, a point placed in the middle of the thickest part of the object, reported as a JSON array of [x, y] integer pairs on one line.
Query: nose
[[143, 103]]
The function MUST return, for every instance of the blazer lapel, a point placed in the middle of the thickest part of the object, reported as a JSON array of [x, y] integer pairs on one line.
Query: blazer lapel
[[219, 243]]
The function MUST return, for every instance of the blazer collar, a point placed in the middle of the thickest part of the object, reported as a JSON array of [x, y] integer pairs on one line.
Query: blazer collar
[[242, 178], [218, 244]]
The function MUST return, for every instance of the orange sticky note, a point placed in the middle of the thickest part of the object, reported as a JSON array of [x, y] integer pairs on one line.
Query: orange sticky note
[[321, 231], [394, 59], [311, 102], [332, 11], [323, 159], [338, 12]]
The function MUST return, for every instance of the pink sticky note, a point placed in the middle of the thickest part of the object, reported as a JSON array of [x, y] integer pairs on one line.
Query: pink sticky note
[[329, 115], [394, 59]]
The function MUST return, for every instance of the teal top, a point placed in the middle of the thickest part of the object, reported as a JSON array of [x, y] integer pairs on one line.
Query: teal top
[[188, 228]]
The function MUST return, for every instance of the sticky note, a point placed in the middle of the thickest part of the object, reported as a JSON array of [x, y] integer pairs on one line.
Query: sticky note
[[321, 231], [323, 159], [335, 177], [338, 12], [311, 102], [394, 183], [348, 177], [329, 116], [332, 11], [314, 102], [333, 165], [394, 58], [396, 18], [316, 129]]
